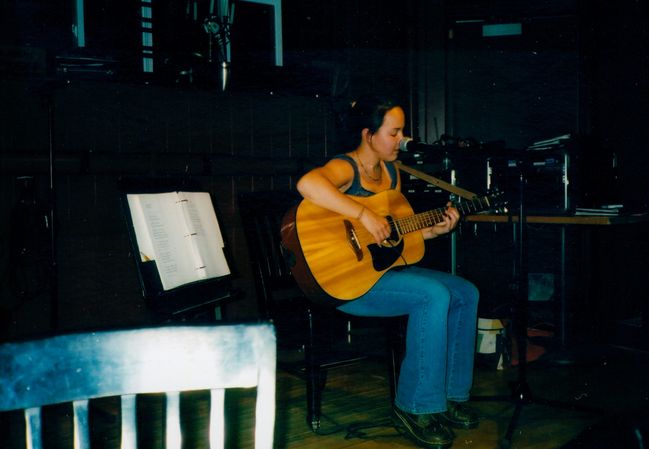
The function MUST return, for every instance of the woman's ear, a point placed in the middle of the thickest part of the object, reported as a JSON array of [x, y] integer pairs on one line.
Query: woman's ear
[[367, 135]]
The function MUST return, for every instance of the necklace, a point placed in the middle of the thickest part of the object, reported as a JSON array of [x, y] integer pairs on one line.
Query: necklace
[[375, 179]]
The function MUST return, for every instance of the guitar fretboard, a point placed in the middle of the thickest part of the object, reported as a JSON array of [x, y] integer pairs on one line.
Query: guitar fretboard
[[429, 218]]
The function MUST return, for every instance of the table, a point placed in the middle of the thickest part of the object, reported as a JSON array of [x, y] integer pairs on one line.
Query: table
[[562, 219], [587, 221]]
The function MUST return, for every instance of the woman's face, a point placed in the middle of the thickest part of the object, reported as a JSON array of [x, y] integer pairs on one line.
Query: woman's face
[[385, 141]]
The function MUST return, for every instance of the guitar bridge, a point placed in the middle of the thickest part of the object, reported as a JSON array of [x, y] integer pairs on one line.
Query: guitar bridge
[[352, 239]]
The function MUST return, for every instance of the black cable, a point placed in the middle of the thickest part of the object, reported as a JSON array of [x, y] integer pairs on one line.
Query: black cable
[[356, 430]]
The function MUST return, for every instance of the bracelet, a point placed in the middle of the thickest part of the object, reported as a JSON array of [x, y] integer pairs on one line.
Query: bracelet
[[360, 214]]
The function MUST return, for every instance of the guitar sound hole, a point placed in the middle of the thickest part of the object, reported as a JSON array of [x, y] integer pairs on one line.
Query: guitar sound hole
[[384, 256]]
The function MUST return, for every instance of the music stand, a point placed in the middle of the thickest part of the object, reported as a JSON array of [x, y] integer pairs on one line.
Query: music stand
[[184, 301]]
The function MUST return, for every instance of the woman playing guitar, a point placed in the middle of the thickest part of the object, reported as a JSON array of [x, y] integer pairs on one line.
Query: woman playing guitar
[[437, 370]]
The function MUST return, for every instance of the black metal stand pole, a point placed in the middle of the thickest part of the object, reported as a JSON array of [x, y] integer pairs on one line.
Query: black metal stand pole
[[54, 286], [521, 392]]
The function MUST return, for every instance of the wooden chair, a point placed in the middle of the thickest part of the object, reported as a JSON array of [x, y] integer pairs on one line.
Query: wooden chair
[[325, 335], [80, 367]]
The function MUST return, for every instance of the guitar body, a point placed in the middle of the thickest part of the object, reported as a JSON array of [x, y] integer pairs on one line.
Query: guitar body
[[333, 256]]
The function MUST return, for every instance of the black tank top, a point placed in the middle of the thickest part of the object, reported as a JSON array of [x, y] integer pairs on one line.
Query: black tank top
[[356, 188]]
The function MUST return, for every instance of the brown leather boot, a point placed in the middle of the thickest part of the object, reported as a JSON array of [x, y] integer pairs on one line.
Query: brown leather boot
[[459, 416], [427, 430]]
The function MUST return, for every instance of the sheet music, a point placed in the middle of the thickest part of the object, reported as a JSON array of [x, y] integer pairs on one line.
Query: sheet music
[[179, 231]]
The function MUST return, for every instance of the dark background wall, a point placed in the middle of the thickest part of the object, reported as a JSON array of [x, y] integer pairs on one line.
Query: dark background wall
[[578, 67]]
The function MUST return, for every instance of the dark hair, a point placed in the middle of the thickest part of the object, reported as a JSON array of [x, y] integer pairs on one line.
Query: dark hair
[[367, 111]]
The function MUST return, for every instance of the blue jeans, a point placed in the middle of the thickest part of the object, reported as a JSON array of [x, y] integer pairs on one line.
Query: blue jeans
[[440, 341]]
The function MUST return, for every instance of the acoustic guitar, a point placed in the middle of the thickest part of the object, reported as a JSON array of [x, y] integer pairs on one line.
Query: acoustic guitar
[[334, 257]]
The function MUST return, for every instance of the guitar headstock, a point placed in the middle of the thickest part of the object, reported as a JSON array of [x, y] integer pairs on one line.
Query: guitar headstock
[[493, 202], [497, 203]]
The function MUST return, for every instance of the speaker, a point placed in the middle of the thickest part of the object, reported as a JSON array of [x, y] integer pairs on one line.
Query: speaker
[[549, 180]]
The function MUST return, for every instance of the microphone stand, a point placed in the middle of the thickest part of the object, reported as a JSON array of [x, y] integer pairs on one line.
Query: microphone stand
[[521, 392]]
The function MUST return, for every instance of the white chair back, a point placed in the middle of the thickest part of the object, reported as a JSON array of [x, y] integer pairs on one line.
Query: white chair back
[[171, 359]]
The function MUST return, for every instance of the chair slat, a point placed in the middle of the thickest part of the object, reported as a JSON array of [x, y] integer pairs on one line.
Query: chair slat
[[265, 408], [217, 418], [33, 428], [81, 425], [173, 434], [129, 422]]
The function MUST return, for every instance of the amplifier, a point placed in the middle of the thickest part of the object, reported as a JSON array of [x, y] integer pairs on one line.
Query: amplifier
[[548, 180]]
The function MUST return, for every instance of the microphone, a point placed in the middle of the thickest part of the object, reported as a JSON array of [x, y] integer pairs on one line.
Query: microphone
[[408, 145]]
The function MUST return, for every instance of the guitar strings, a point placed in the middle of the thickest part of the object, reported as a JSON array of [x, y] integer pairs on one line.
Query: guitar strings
[[405, 225]]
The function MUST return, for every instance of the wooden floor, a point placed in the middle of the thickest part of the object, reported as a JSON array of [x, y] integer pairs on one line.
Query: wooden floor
[[357, 413], [611, 382]]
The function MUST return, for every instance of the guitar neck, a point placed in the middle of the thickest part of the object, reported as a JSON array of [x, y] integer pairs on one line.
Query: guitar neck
[[432, 217]]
